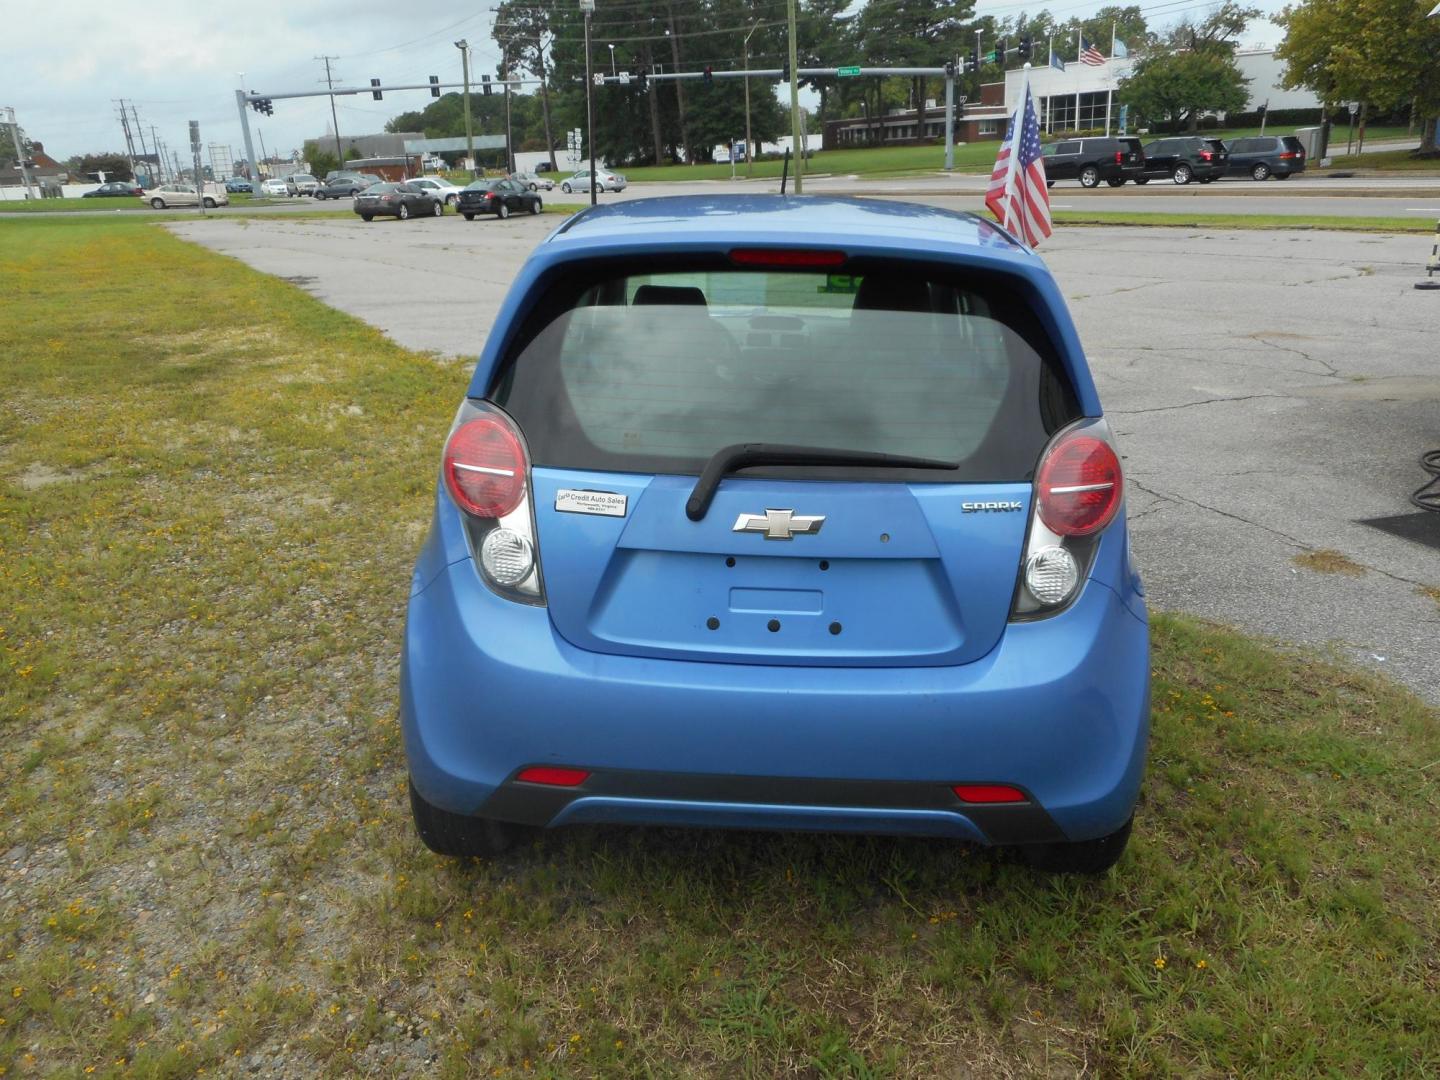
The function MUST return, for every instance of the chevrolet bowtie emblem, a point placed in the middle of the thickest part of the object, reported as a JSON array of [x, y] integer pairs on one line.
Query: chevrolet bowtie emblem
[[778, 524]]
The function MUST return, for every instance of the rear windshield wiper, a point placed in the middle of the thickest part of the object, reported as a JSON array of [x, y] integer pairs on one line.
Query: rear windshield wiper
[[729, 459]]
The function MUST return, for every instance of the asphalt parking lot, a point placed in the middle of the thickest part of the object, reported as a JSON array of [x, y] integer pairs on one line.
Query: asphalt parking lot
[[1272, 392]]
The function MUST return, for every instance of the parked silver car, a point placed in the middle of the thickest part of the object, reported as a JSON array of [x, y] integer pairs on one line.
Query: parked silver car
[[534, 181], [605, 180], [301, 184]]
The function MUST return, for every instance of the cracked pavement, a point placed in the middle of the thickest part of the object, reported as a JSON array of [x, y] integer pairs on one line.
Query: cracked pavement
[[1269, 390]]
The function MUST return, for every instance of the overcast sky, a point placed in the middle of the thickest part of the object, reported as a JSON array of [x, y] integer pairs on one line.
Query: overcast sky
[[68, 60]]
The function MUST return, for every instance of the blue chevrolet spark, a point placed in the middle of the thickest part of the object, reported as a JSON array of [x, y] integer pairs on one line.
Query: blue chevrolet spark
[[780, 513]]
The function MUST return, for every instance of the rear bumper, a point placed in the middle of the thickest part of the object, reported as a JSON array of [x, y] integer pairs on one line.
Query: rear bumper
[[1060, 709]]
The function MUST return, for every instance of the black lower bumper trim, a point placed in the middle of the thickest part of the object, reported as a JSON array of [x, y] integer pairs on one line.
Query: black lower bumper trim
[[1002, 823]]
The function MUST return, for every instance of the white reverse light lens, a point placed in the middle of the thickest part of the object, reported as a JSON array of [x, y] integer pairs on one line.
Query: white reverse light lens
[[506, 557], [1051, 575]]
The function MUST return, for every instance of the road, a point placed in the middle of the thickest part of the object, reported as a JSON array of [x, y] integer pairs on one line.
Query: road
[[1271, 391], [1390, 196]]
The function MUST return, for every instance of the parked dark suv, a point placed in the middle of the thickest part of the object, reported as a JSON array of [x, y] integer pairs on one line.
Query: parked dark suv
[[1092, 160], [1263, 156], [1183, 159]]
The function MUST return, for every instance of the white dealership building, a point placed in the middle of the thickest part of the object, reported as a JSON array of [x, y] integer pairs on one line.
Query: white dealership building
[[1083, 95]]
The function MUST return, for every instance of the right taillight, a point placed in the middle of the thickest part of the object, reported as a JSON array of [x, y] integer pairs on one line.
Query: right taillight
[[1078, 491], [486, 471], [1078, 486]]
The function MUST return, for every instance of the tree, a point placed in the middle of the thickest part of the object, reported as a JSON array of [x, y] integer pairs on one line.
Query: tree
[[1172, 86], [524, 33], [115, 166], [320, 159], [1381, 52], [915, 33], [7, 143]]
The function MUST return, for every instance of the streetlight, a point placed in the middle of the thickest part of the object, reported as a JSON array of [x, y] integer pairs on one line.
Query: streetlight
[[746, 48], [464, 47], [588, 7], [612, 61]]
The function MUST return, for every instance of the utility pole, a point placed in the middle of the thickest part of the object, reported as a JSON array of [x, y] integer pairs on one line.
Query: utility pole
[[129, 142], [330, 85], [9, 117], [796, 136], [509, 146], [588, 7], [144, 152], [749, 155], [251, 162], [464, 46], [155, 142]]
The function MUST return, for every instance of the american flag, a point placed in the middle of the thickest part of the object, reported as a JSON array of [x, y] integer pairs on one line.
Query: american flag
[[1017, 195], [1089, 54]]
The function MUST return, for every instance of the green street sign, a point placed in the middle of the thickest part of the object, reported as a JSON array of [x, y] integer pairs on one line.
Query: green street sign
[[847, 72]]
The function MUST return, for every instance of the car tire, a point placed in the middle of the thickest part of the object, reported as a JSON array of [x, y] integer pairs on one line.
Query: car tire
[[503, 211], [1182, 174], [367, 217], [469, 217], [565, 188], [1140, 182], [459, 835], [439, 209], [1260, 171], [1082, 857], [534, 187], [536, 206], [158, 204], [210, 204], [1049, 183], [1089, 177], [1208, 180], [1116, 183], [404, 214]]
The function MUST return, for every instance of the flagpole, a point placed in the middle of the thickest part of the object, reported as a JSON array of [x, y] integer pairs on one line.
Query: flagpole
[[1050, 101], [1078, 46]]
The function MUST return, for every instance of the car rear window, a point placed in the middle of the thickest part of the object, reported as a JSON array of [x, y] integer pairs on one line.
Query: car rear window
[[653, 369], [1291, 143]]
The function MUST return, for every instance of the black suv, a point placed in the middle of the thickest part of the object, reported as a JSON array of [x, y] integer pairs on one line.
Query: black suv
[[1092, 160], [1263, 156], [1185, 158]]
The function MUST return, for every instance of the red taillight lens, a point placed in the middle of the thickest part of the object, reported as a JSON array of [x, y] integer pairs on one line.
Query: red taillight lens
[[485, 467], [989, 793], [1119, 157], [1079, 486], [555, 777], [1287, 154], [1205, 155], [786, 258]]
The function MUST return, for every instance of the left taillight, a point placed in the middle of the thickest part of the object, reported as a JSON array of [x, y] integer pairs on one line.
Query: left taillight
[[486, 472], [1079, 489]]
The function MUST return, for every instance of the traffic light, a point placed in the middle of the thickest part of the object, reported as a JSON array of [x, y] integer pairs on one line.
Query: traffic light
[[949, 69], [642, 80], [263, 106], [1027, 47], [1261, 110], [485, 84], [1000, 52], [975, 58], [375, 93], [785, 71], [709, 75], [434, 85]]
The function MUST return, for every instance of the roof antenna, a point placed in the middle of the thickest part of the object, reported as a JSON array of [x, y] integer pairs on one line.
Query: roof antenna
[[785, 171]]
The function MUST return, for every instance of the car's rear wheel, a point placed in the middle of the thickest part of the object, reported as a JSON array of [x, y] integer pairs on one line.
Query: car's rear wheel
[[1261, 171], [1089, 176], [469, 217], [1142, 180], [450, 199], [503, 212], [209, 204], [1083, 857], [439, 209], [1182, 174], [1116, 183], [367, 217], [404, 214], [1208, 180], [158, 204], [535, 206], [534, 187], [460, 835], [565, 188], [1049, 183]]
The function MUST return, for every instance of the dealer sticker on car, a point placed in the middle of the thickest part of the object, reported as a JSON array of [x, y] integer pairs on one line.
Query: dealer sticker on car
[[607, 503]]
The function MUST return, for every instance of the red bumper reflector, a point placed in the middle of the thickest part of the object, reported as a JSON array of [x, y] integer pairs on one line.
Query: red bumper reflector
[[545, 774], [988, 793], [782, 257]]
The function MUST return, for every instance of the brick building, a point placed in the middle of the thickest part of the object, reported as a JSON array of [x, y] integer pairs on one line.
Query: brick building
[[978, 121]]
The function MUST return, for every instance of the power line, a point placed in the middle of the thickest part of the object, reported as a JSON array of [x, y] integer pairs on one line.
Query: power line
[[334, 120]]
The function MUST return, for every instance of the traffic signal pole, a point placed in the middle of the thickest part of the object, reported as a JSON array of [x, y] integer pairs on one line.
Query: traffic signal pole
[[240, 104]]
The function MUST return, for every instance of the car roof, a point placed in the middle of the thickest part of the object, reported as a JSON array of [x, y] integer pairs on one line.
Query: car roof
[[784, 220]]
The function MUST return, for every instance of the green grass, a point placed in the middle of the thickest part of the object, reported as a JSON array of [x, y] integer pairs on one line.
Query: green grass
[[1245, 221], [1398, 160], [212, 488]]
